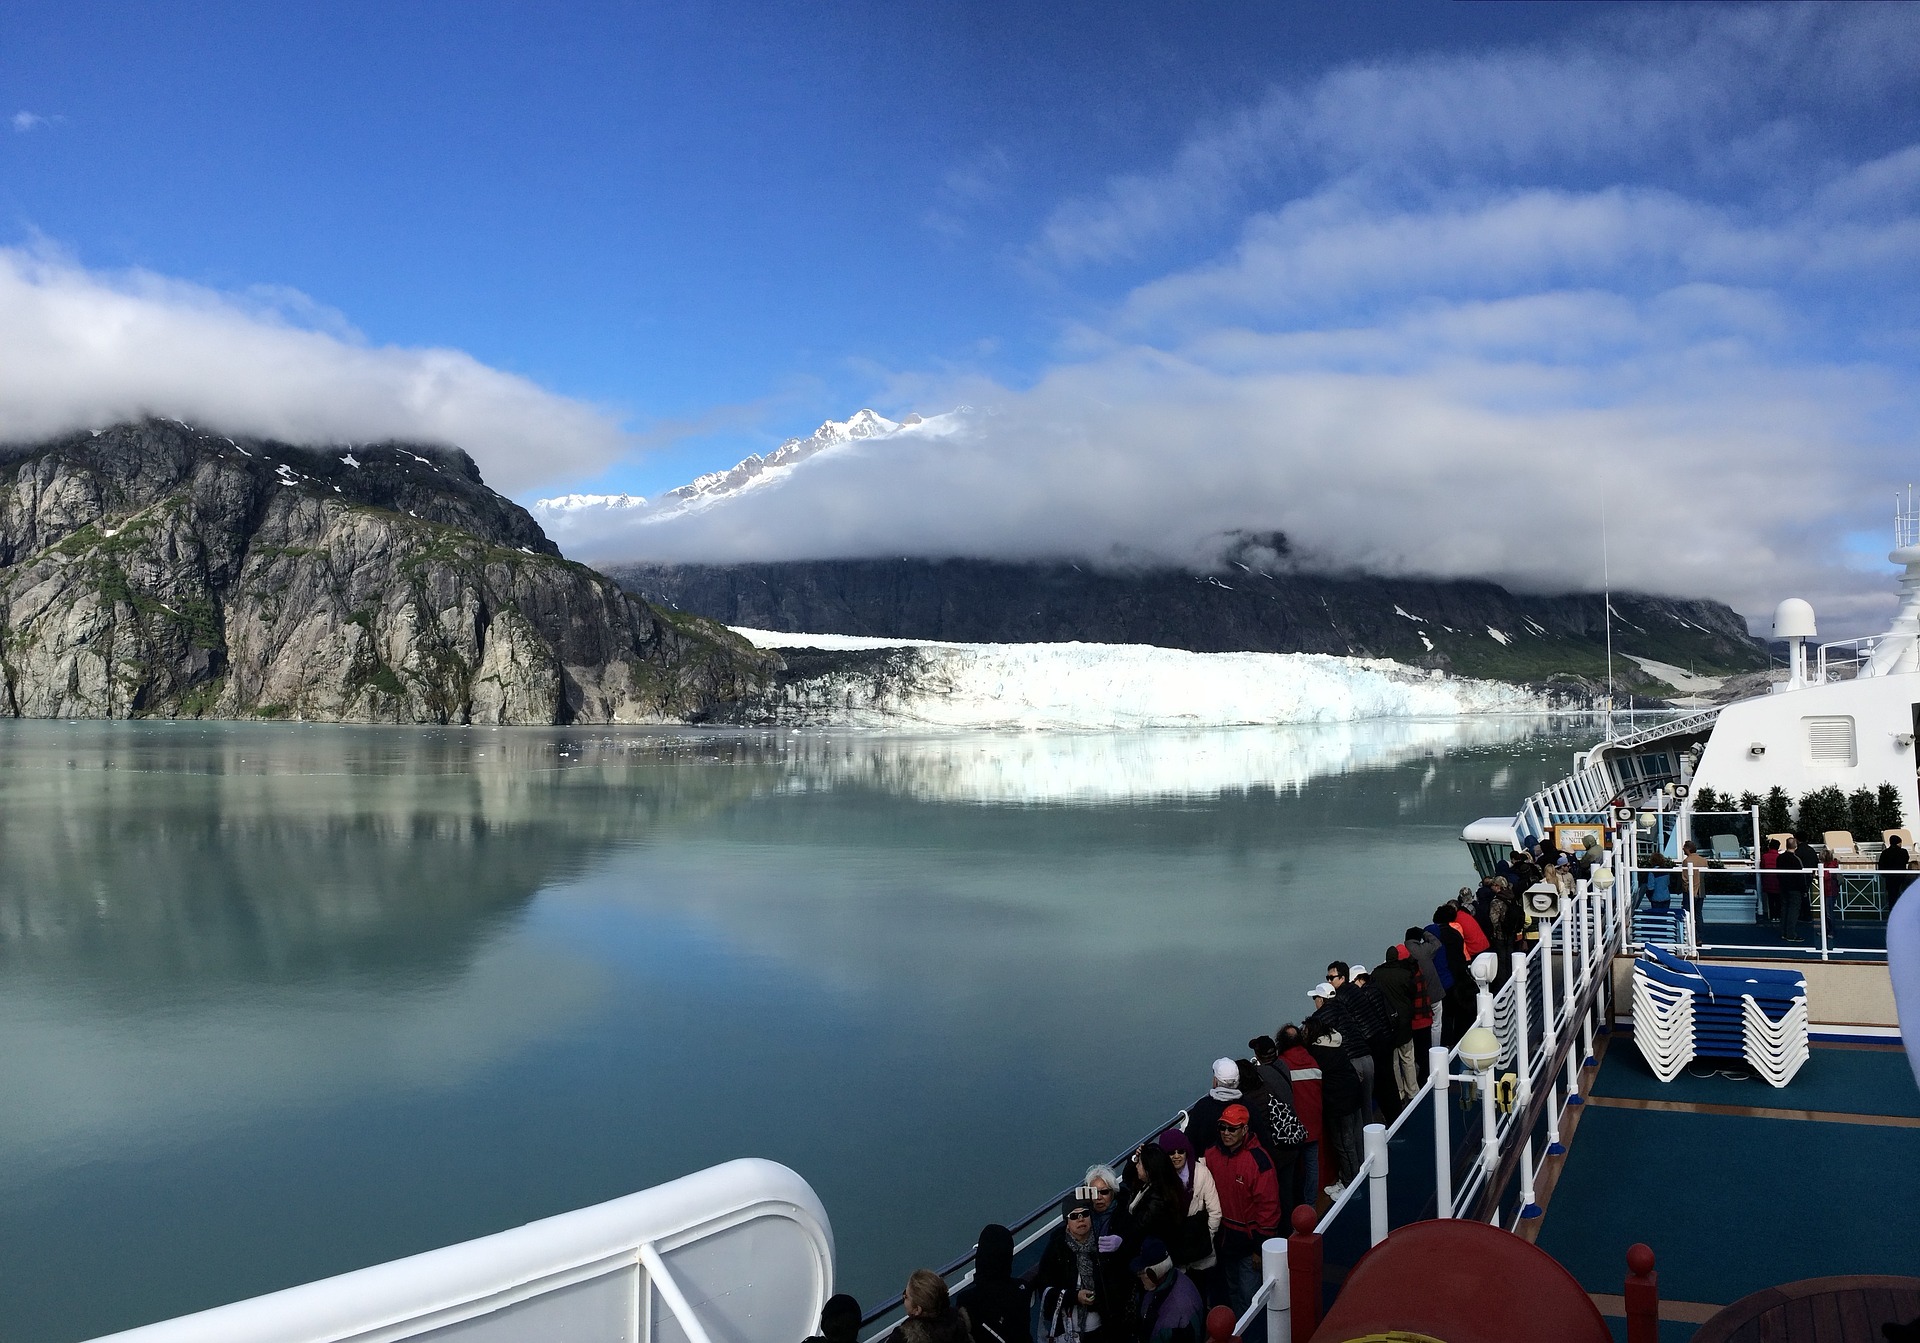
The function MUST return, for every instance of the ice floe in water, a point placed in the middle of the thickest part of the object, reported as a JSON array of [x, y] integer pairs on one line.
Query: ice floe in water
[[1096, 687]]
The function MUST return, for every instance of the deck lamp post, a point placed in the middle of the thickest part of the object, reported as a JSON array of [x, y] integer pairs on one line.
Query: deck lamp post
[[1480, 1050]]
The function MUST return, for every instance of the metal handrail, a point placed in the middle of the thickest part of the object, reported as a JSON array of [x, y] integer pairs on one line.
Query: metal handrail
[[1051, 1206], [1642, 736]]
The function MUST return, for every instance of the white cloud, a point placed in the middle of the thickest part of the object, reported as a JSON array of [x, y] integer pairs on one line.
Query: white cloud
[[23, 121], [1723, 94], [79, 349]]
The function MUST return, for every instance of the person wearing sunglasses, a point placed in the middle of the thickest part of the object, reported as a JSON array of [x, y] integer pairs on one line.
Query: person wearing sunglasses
[[1080, 1288], [1249, 1190]]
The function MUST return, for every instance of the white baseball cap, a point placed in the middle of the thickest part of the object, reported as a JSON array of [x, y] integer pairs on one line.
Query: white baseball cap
[[1321, 990]]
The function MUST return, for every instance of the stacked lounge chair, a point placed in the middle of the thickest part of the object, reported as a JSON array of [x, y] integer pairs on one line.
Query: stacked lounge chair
[[1682, 1010]]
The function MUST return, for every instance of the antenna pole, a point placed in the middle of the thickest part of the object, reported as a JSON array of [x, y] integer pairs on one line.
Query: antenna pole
[[1606, 597]]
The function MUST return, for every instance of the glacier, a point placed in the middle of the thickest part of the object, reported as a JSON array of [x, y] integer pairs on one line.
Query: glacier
[[925, 684]]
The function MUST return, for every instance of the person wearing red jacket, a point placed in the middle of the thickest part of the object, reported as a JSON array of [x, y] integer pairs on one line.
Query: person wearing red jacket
[[1249, 1191], [1306, 1103], [1471, 933]]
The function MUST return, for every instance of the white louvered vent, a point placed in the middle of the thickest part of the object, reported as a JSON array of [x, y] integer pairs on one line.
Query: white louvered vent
[[1830, 741]]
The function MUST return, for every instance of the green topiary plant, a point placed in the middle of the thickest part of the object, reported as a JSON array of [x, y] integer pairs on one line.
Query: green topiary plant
[[1776, 812], [1889, 813], [1863, 814], [1822, 810], [1705, 799]]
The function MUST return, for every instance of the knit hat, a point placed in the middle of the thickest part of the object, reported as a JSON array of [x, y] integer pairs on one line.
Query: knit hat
[[1173, 1140], [1153, 1255], [1321, 990], [1234, 1114], [1073, 1203], [1226, 1072]]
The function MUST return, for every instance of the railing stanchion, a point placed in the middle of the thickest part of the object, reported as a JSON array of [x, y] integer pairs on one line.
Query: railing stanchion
[[1273, 1269], [1523, 1092], [1437, 1068], [1376, 1140], [1303, 1263], [1549, 1034], [1566, 982], [1825, 945], [1642, 1296]]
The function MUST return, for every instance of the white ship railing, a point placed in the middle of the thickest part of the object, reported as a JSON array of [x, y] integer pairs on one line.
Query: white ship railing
[[1543, 1023], [740, 1253]]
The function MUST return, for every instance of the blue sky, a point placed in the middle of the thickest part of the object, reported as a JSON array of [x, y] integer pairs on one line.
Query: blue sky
[[1170, 247]]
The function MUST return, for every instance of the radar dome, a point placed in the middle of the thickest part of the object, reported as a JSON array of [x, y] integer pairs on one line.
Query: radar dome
[[1793, 619]]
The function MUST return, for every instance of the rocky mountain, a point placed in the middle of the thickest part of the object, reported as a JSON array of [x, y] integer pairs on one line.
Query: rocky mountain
[[1464, 627], [159, 569]]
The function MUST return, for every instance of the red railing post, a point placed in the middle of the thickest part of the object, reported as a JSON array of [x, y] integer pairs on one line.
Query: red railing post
[[1642, 1296], [1220, 1322], [1303, 1266]]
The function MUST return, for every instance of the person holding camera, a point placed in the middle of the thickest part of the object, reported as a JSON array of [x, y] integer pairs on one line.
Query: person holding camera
[[1083, 1293]]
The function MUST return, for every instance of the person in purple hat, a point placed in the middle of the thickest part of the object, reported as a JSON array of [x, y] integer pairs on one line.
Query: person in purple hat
[[1171, 1310], [1194, 1252]]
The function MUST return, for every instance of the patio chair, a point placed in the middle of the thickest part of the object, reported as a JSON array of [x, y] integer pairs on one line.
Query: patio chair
[[1781, 838], [1905, 837], [1840, 844], [1726, 848]]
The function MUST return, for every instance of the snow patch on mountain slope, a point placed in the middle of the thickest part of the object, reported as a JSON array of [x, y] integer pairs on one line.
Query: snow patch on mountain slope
[[1098, 687], [756, 472]]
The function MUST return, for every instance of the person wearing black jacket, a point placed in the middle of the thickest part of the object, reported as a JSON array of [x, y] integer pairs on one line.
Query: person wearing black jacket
[[839, 1320], [1339, 1099], [1793, 890], [1460, 994], [1370, 1005], [1393, 980], [999, 1306], [1074, 1276]]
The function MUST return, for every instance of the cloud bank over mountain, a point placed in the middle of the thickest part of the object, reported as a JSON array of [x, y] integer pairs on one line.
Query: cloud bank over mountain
[[1458, 300], [80, 349]]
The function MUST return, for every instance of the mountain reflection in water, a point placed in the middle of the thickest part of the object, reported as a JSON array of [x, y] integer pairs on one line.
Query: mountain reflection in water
[[279, 1000]]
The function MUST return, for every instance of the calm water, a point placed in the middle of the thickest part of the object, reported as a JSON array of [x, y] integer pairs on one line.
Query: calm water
[[278, 1001]]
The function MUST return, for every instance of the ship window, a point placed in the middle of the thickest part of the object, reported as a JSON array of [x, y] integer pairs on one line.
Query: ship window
[[1830, 741]]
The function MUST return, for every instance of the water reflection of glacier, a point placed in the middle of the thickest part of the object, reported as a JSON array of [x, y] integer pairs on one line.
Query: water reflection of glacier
[[1090, 768]]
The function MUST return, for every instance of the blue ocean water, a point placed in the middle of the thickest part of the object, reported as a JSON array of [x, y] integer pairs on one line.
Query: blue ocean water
[[281, 1000]]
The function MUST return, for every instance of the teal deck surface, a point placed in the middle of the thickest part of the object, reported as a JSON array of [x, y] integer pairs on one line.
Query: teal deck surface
[[1848, 1081], [1731, 1204]]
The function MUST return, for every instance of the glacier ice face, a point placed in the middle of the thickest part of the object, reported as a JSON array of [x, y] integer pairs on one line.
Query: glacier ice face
[[1108, 687]]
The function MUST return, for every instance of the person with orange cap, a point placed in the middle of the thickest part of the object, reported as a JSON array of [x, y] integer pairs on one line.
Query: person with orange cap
[[1249, 1190]]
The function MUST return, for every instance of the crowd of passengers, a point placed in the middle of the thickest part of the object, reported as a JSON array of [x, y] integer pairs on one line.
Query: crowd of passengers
[[1143, 1252]]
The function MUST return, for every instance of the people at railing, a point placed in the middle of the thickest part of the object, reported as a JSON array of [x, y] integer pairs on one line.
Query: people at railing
[[1793, 889], [839, 1320], [1082, 1291], [1273, 1121], [1431, 957], [1203, 1120], [1339, 1015], [1340, 1102], [1459, 978], [1770, 878], [1249, 1207], [998, 1305], [1193, 1250], [1304, 1073], [1398, 983], [1894, 858], [1694, 865], [1153, 1201], [1368, 1009], [1171, 1309], [931, 1316]]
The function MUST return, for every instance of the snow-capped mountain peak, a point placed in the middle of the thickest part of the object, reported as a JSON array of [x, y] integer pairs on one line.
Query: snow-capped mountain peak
[[754, 472]]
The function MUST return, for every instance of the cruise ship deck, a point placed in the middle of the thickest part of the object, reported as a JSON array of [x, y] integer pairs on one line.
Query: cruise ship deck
[[1739, 1187]]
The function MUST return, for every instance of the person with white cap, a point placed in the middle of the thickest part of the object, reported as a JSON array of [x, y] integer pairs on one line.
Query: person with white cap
[[1367, 1008], [1340, 1094], [1203, 1120]]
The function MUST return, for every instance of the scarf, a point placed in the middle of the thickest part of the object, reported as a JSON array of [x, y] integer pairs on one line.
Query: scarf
[[1085, 1277], [1225, 1094]]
